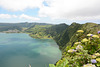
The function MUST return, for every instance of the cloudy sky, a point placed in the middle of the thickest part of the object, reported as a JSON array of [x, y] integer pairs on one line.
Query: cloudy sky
[[50, 11]]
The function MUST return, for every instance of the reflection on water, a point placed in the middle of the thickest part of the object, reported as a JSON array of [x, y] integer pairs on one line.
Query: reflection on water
[[20, 50]]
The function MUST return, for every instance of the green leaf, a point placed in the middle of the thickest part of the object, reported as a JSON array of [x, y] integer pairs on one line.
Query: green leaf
[[51, 65], [66, 62], [98, 64]]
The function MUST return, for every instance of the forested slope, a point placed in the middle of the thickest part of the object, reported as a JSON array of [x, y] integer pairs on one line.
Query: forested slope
[[18, 26]]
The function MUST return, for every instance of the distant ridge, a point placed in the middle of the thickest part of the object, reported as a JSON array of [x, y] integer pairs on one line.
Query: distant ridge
[[18, 26]]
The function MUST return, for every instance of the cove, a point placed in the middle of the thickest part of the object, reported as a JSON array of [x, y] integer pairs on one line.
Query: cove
[[20, 50]]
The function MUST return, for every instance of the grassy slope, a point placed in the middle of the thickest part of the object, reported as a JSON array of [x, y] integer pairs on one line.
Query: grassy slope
[[38, 31], [46, 31]]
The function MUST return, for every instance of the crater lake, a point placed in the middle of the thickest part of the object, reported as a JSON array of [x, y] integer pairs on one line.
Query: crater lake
[[20, 50]]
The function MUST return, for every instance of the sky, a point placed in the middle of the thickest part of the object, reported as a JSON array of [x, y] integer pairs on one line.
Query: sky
[[50, 11]]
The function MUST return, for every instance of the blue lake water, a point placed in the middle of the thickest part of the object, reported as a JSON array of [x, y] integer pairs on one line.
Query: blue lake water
[[20, 50]]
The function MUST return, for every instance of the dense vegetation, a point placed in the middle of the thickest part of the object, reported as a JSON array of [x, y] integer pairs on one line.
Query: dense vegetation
[[56, 30], [38, 31], [68, 36], [79, 49], [18, 26], [46, 31], [84, 53], [6, 28]]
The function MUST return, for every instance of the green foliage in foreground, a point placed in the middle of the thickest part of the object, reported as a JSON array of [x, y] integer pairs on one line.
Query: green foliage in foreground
[[84, 53]]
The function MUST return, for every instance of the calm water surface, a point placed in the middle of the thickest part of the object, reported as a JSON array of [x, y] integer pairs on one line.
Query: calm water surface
[[20, 50]]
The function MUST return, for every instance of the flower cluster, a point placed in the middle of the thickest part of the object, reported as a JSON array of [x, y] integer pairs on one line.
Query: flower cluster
[[92, 57], [89, 65], [79, 47], [77, 43], [93, 61], [80, 31], [95, 36], [89, 35], [98, 59], [85, 40], [97, 54], [71, 51], [98, 32]]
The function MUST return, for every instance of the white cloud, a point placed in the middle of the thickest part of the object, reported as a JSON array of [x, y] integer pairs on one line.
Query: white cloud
[[71, 9], [56, 9], [14, 16], [22, 16], [15, 5], [28, 17], [7, 16]]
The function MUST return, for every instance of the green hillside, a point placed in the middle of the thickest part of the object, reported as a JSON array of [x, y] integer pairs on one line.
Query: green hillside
[[66, 35], [56, 30], [38, 31], [69, 35], [18, 26], [46, 31], [70, 40], [85, 52]]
